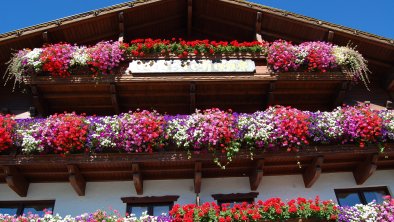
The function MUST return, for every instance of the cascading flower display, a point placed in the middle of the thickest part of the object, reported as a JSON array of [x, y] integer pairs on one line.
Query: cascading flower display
[[212, 129], [141, 131], [318, 56], [7, 123], [326, 127], [359, 213], [273, 209], [282, 56], [361, 124], [105, 56], [291, 127], [56, 58]]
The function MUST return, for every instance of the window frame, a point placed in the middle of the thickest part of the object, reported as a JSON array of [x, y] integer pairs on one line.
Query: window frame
[[149, 202], [360, 192], [235, 197], [22, 204]]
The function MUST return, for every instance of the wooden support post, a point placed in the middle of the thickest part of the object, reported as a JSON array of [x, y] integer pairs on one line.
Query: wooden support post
[[192, 97], [189, 17], [365, 169], [37, 101], [45, 38], [312, 172], [257, 174], [15, 180], [76, 179], [114, 98], [341, 93], [137, 178], [330, 36], [197, 177], [121, 26], [259, 20], [270, 94]]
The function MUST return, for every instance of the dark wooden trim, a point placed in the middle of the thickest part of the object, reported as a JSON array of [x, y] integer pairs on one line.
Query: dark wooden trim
[[344, 88], [192, 97], [152, 199], [137, 179], [114, 98], [197, 176], [270, 94], [15, 180], [312, 172], [21, 204], [257, 174], [330, 36], [234, 196], [76, 179], [121, 26], [259, 19], [38, 101], [45, 38], [366, 168], [189, 17]]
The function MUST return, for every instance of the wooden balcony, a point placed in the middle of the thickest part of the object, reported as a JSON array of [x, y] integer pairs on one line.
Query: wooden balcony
[[20, 170]]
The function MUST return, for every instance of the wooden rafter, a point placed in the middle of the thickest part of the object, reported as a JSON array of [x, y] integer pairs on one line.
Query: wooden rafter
[[121, 26], [259, 19], [189, 17], [257, 174], [312, 172], [76, 179], [365, 169], [15, 180], [330, 36], [137, 178], [197, 176]]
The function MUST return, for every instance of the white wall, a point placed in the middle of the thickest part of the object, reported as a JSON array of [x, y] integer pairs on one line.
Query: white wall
[[106, 195]]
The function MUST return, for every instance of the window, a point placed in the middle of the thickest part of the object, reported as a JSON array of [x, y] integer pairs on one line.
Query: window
[[235, 198], [154, 206], [351, 197], [25, 207]]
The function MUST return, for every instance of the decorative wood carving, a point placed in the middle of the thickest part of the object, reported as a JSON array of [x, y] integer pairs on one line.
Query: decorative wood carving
[[365, 169], [137, 178], [189, 17], [197, 177], [259, 19], [121, 26], [114, 98], [76, 179], [257, 174], [312, 172], [192, 97], [15, 180]]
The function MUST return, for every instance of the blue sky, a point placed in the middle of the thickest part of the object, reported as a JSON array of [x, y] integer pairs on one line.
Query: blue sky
[[376, 17]]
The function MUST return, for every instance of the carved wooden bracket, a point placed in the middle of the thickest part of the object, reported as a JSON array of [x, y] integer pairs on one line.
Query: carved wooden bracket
[[365, 169], [137, 178], [312, 172], [197, 177], [189, 17], [15, 180], [257, 174], [259, 20], [121, 26], [76, 179]]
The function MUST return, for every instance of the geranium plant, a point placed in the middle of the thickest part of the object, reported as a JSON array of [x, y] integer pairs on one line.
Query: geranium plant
[[7, 123]]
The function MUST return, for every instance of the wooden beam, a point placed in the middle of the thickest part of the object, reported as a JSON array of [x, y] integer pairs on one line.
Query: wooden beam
[[121, 26], [312, 172], [197, 177], [189, 17], [257, 174], [341, 93], [45, 38], [76, 179], [270, 94], [365, 169], [259, 19], [330, 36], [114, 98], [192, 97], [15, 180], [137, 178], [281, 36], [38, 101]]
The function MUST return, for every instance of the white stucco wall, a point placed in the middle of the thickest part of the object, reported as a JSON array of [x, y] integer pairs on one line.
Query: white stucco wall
[[106, 195]]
